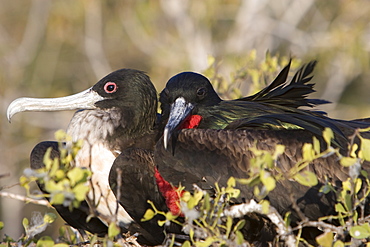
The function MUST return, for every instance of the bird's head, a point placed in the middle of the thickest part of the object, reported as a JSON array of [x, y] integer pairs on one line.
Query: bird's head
[[185, 95], [129, 91]]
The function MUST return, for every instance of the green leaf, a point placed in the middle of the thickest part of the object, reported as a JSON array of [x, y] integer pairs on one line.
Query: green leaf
[[51, 186], [326, 188], [229, 223], [65, 245], [347, 200], [186, 244], [279, 149], [365, 149], [231, 182], [25, 223], [46, 160], [113, 230], [306, 178], [287, 219], [1, 225], [338, 243], [339, 208], [149, 214], [316, 145], [161, 222], [308, 152], [348, 161], [265, 206], [358, 185], [239, 238], [359, 232], [57, 198], [354, 148], [49, 218], [80, 191], [325, 239], [328, 135], [75, 175], [238, 226], [45, 241], [267, 180]]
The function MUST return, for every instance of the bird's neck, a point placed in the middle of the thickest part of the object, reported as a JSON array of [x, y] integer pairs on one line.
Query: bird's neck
[[106, 127]]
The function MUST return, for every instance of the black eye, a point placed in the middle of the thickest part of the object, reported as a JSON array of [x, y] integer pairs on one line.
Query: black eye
[[201, 91], [110, 87]]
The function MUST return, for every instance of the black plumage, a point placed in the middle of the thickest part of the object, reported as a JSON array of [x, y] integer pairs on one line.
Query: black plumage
[[117, 113]]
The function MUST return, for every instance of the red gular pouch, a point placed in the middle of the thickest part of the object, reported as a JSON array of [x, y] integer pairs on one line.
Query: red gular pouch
[[170, 193], [191, 122]]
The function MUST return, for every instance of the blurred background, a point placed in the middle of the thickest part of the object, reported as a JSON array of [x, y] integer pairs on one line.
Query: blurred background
[[56, 48]]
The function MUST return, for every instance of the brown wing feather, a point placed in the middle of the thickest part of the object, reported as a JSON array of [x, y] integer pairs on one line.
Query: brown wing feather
[[208, 156]]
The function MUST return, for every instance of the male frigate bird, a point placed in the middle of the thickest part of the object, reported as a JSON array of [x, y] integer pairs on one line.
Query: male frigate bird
[[117, 113], [225, 135]]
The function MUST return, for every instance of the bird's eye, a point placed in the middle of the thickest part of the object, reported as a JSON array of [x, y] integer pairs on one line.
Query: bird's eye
[[110, 87], [201, 91]]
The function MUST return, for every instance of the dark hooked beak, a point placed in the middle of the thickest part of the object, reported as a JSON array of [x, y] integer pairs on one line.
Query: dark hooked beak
[[180, 110], [83, 100]]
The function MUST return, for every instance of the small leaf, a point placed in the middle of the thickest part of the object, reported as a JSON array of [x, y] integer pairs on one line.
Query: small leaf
[[51, 186], [359, 232], [231, 182], [338, 243], [238, 226], [76, 174], [49, 218], [80, 191], [186, 244], [25, 223], [45, 241], [279, 149], [306, 178], [328, 135], [347, 185], [358, 185], [339, 208], [316, 145], [149, 214], [57, 198], [113, 230], [325, 239], [354, 148], [287, 219], [365, 149], [348, 161], [265, 206], [308, 152], [239, 238], [1, 225], [267, 180], [161, 222]]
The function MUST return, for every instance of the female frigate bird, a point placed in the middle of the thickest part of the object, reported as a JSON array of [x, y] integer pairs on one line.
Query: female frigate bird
[[221, 145], [117, 113]]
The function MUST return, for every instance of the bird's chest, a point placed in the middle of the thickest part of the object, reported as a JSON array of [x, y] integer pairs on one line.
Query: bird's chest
[[99, 159]]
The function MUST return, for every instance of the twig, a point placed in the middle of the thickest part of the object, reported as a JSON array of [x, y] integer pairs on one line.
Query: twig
[[284, 231], [24, 198]]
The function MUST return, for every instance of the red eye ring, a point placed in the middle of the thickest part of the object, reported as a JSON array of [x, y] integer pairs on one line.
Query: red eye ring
[[110, 87]]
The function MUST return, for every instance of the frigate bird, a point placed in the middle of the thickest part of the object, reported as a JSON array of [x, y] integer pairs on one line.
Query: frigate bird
[[189, 100], [222, 141], [117, 113]]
